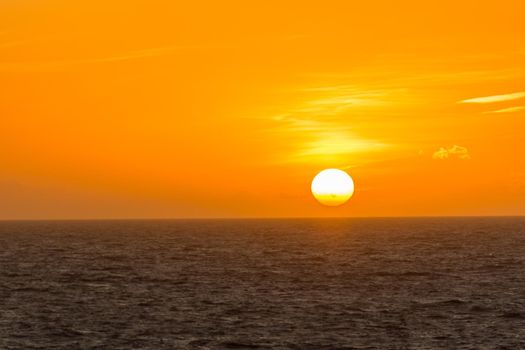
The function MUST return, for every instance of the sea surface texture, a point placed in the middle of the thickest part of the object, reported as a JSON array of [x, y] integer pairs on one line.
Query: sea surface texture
[[435, 283]]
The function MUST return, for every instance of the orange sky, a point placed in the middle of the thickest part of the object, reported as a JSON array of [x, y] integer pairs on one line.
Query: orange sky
[[123, 109]]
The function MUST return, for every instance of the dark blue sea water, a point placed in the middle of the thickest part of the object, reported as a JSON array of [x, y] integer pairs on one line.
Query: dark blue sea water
[[433, 283]]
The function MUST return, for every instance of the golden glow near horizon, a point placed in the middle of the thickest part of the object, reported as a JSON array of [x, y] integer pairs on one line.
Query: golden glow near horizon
[[332, 187], [225, 109]]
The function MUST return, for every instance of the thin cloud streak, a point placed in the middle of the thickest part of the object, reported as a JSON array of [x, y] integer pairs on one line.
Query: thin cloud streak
[[508, 110], [495, 98]]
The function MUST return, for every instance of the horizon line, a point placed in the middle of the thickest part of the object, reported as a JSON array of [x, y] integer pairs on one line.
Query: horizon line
[[265, 218]]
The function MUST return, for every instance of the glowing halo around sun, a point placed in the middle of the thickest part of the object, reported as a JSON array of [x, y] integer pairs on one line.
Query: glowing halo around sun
[[332, 187]]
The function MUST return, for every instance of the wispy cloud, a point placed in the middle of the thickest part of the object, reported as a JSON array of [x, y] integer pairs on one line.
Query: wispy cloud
[[508, 110], [455, 151], [332, 100], [323, 125], [495, 98]]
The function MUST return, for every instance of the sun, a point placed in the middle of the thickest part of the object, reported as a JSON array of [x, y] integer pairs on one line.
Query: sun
[[332, 187]]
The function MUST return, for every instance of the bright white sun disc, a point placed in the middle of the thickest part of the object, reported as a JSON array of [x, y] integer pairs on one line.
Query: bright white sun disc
[[332, 187]]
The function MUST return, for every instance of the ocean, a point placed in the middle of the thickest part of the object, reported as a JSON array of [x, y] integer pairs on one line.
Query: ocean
[[391, 283]]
